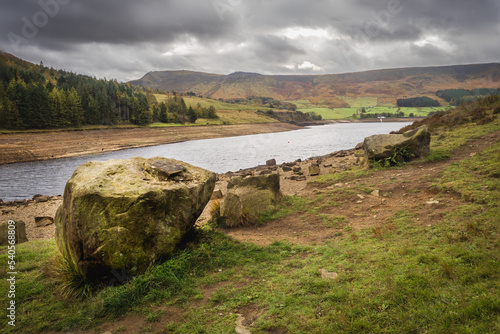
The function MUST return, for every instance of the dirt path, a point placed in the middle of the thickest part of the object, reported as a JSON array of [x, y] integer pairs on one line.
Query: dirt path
[[23, 147]]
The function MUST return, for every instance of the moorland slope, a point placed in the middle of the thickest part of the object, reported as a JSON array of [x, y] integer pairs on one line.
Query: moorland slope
[[332, 89]]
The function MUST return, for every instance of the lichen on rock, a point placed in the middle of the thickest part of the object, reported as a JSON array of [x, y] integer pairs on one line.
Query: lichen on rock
[[128, 214]]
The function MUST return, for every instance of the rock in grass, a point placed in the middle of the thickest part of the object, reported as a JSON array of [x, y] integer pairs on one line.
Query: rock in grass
[[415, 141], [325, 274], [127, 214], [247, 198]]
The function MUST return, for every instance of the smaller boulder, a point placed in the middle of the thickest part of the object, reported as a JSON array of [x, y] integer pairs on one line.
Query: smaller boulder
[[297, 178], [271, 162], [247, 198], [41, 198], [414, 142], [314, 169], [43, 221]]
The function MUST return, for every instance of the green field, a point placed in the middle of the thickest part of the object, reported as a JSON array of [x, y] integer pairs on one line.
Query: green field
[[357, 104]]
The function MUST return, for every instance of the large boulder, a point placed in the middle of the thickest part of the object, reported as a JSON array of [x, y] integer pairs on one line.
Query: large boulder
[[127, 214], [379, 147], [15, 229], [247, 198]]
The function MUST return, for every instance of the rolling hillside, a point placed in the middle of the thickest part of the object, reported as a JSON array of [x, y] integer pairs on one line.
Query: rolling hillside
[[331, 90]]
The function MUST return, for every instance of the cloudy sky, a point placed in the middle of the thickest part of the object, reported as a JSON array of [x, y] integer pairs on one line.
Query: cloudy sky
[[124, 39]]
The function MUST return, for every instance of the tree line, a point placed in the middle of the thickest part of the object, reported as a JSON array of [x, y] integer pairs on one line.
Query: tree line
[[383, 114], [421, 101], [174, 110], [263, 101], [458, 96], [40, 98]]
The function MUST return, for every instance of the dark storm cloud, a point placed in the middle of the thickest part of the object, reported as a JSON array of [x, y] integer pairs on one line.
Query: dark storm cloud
[[126, 38], [275, 48], [115, 21]]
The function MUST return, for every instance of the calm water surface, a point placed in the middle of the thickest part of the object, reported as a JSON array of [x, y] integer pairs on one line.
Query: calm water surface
[[23, 180]]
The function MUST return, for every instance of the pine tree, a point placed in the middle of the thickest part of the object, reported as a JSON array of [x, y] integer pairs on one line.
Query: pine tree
[[75, 108], [163, 113], [191, 115]]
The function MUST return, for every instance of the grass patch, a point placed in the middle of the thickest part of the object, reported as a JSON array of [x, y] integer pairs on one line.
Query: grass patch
[[289, 205], [352, 174], [476, 179], [445, 142]]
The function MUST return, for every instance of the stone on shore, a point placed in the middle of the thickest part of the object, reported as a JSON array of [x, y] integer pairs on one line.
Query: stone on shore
[[416, 142], [128, 214], [41, 198], [43, 221], [247, 198], [314, 170], [271, 162]]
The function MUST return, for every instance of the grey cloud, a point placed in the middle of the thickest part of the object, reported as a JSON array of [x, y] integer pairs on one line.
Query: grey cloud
[[275, 48], [126, 38], [118, 22]]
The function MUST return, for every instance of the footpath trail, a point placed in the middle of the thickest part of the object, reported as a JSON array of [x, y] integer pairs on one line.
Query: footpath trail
[[23, 147]]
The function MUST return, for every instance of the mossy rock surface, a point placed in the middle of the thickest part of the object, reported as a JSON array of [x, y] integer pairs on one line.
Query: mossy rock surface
[[417, 141], [247, 198], [127, 214]]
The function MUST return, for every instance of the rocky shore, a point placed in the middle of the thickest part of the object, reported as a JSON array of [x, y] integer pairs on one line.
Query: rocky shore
[[294, 177]]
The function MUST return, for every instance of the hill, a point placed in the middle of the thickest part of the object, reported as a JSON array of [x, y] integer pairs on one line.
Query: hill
[[331, 90]]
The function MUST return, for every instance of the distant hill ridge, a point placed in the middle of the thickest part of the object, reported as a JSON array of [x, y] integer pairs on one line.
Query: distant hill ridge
[[329, 89]]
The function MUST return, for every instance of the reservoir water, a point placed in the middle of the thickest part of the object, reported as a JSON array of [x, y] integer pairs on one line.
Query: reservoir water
[[23, 180]]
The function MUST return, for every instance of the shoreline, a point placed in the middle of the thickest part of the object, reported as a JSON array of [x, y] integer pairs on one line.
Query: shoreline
[[38, 146], [27, 147]]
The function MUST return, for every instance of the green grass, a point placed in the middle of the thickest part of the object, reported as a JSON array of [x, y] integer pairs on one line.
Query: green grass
[[348, 175], [446, 141], [473, 176], [361, 101]]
